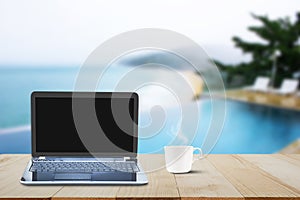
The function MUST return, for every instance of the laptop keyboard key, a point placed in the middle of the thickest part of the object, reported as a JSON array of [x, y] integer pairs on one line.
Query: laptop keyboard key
[[84, 167]]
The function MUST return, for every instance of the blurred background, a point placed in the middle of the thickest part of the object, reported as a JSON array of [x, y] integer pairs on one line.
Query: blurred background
[[255, 45]]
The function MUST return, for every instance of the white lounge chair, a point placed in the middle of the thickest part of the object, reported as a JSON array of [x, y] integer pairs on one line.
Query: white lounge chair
[[288, 86], [261, 84]]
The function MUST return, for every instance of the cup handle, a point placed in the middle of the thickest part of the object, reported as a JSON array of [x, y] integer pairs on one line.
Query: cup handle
[[200, 156]]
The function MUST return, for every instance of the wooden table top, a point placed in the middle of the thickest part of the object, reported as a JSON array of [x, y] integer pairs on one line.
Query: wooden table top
[[271, 176]]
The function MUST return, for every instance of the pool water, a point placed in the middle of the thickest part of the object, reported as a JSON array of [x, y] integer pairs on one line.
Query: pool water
[[252, 128], [248, 128]]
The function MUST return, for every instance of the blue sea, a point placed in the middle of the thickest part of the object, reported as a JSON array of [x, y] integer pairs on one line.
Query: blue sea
[[248, 128]]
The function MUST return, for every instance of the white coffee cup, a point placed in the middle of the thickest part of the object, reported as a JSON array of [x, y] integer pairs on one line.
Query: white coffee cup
[[179, 159]]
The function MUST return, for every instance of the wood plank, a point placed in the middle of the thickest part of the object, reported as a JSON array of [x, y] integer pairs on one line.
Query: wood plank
[[87, 192], [162, 184], [292, 158], [216, 177], [204, 181], [250, 181], [11, 170], [6, 159], [285, 172]]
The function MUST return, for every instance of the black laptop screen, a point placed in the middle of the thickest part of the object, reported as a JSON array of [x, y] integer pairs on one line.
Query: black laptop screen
[[56, 133]]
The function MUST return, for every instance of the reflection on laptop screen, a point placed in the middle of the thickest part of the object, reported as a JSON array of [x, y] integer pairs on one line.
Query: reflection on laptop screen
[[56, 131]]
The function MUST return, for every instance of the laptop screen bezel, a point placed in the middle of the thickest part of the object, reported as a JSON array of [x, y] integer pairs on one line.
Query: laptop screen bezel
[[42, 94]]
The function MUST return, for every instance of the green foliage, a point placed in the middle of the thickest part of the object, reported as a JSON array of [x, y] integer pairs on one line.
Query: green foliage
[[280, 34]]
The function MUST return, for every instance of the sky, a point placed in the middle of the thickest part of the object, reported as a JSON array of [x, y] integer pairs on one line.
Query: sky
[[65, 32]]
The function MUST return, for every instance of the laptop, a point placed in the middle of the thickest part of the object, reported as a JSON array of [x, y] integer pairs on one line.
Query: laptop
[[84, 138]]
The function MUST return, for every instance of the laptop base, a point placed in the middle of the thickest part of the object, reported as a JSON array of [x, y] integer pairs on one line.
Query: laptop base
[[94, 178]]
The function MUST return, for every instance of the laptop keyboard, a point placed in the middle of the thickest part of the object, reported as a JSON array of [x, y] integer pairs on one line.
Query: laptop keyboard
[[87, 167]]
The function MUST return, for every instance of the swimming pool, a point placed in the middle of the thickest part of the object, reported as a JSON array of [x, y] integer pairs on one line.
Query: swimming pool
[[252, 128], [248, 128]]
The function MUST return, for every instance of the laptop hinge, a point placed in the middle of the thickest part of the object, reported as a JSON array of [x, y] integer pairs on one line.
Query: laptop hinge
[[130, 159], [126, 158], [40, 158]]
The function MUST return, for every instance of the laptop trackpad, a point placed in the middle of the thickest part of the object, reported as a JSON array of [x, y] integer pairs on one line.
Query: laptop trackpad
[[73, 176]]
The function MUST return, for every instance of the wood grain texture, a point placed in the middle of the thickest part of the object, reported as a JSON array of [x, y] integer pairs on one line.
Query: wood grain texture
[[283, 171], [215, 177], [249, 180], [292, 158], [204, 181], [11, 170], [161, 184], [87, 192]]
